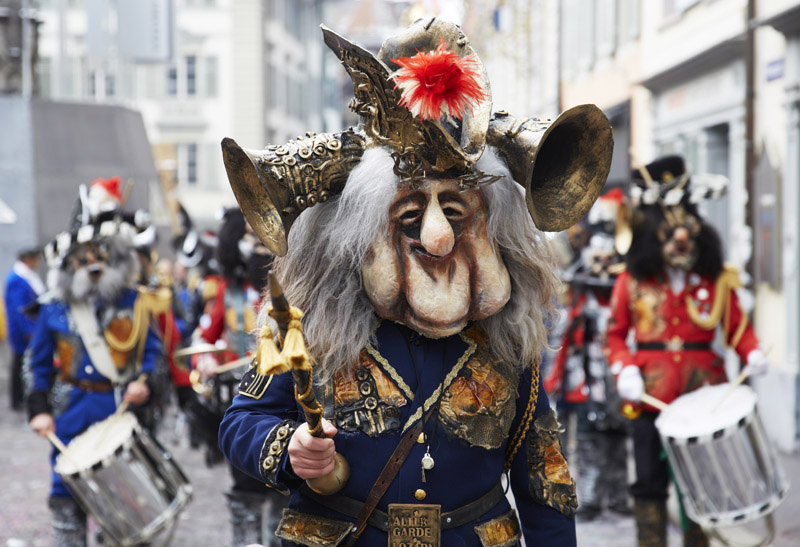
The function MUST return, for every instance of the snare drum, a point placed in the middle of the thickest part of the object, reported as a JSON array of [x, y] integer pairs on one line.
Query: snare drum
[[117, 472], [723, 463]]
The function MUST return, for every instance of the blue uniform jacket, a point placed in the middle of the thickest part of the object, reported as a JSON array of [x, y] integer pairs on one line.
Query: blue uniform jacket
[[463, 470], [81, 408], [18, 295]]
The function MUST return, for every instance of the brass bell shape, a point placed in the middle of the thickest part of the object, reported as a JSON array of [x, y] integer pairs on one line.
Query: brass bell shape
[[563, 164]]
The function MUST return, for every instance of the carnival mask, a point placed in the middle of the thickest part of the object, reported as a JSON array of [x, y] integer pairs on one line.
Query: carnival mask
[[91, 258], [678, 240], [89, 272], [435, 269], [600, 257]]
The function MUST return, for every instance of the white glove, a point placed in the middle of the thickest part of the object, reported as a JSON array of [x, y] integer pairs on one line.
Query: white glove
[[630, 384], [757, 363]]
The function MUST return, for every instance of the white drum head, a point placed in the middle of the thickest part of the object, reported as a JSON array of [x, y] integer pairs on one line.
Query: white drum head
[[700, 414], [96, 444]]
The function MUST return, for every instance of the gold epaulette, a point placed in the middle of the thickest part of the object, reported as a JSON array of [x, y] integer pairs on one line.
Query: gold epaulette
[[156, 300], [729, 280]]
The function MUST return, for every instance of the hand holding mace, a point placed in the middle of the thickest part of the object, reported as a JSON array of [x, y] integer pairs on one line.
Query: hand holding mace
[[294, 357]]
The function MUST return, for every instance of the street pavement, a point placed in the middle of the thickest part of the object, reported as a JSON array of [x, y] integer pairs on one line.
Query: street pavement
[[25, 479]]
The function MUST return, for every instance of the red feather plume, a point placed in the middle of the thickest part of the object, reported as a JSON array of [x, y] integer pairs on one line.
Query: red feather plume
[[439, 83]]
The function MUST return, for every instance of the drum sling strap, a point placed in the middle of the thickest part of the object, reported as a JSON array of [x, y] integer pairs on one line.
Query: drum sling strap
[[386, 477], [86, 324]]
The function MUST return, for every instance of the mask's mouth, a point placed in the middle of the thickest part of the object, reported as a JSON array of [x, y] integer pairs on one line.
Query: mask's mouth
[[95, 271], [425, 256]]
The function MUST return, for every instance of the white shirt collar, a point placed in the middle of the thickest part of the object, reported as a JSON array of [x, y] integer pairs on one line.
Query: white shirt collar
[[33, 279]]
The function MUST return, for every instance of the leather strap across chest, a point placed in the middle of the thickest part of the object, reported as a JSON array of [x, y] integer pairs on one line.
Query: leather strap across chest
[[386, 477]]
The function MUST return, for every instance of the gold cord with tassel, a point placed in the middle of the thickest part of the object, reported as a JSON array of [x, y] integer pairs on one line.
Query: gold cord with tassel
[[294, 346], [268, 359]]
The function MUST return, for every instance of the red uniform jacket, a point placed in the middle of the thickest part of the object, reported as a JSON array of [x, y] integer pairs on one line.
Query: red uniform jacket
[[657, 315], [170, 336], [228, 316]]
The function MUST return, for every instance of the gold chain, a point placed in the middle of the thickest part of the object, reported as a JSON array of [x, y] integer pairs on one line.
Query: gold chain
[[522, 431]]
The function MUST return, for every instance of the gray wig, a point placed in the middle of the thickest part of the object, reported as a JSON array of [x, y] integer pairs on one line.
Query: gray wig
[[321, 273]]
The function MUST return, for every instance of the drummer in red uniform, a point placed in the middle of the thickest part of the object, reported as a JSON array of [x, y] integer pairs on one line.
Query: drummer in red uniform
[[675, 295]]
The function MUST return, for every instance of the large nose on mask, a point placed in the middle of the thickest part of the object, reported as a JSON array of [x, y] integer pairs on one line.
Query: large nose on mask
[[436, 234], [681, 235]]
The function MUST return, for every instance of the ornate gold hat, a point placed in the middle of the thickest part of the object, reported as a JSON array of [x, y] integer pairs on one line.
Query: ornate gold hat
[[426, 98]]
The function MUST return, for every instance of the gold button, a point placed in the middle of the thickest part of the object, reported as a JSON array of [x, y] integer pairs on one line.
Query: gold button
[[676, 358], [422, 438], [675, 321], [420, 494]]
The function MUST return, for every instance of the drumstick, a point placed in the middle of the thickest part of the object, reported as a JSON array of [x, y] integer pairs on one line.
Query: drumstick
[[124, 405], [742, 377], [652, 401], [57, 442], [61, 447]]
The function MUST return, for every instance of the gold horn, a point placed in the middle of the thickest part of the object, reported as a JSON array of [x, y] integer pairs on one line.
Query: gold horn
[[273, 186], [563, 164]]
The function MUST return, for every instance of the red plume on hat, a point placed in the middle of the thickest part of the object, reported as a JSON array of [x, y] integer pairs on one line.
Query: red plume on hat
[[439, 83], [112, 186], [615, 197]]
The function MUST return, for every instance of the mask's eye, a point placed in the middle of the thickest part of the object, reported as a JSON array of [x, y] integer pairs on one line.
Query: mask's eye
[[410, 216], [693, 225]]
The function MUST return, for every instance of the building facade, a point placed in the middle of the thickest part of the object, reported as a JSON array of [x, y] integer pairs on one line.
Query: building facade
[[198, 70]]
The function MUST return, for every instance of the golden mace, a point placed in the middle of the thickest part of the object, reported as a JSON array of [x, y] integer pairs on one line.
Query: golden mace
[[294, 357]]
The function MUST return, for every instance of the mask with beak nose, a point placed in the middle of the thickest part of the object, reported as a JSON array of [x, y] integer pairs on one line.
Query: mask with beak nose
[[434, 269]]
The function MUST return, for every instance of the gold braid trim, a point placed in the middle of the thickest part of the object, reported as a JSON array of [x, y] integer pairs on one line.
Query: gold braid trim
[[727, 281], [522, 430], [148, 304], [445, 383], [390, 370]]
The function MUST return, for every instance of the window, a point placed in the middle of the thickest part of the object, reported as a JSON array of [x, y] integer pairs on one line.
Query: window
[[187, 163], [191, 75], [111, 85], [605, 28], [191, 163], [628, 21], [211, 76], [586, 38], [172, 81]]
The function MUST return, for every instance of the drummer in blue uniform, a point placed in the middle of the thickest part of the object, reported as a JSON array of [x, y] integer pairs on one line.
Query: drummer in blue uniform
[[90, 344], [425, 288]]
